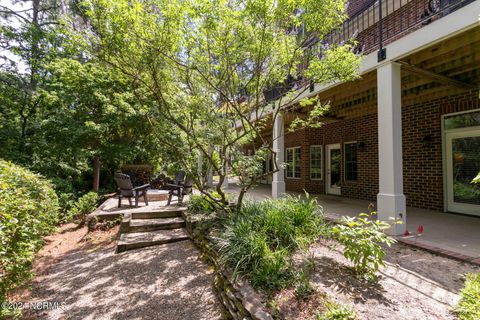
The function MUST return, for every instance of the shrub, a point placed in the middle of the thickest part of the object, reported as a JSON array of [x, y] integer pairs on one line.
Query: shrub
[[363, 238], [28, 211], [259, 239], [85, 205], [201, 204], [468, 308]]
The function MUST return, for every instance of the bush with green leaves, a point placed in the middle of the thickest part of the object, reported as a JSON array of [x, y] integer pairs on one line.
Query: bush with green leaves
[[468, 308], [363, 237], [259, 239], [201, 204], [85, 205], [28, 211]]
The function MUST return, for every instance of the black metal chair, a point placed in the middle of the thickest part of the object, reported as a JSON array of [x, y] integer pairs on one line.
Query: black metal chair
[[180, 190], [127, 190]]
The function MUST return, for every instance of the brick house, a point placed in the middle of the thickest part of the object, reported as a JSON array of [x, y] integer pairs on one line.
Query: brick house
[[408, 132]]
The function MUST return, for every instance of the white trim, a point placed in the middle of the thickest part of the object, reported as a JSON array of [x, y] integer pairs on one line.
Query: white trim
[[321, 161], [293, 162], [345, 162], [328, 186]]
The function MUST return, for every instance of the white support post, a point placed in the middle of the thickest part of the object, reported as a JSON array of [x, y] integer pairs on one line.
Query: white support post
[[391, 204], [210, 169], [225, 180], [200, 165], [278, 183]]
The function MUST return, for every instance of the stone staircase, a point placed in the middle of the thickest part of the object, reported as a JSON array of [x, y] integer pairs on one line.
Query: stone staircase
[[145, 229]]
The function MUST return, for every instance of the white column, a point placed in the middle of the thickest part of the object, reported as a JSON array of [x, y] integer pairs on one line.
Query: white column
[[225, 180], [210, 169], [200, 165], [278, 183], [390, 199]]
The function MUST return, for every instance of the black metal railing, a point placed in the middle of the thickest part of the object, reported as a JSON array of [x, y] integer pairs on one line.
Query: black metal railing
[[372, 28], [388, 20]]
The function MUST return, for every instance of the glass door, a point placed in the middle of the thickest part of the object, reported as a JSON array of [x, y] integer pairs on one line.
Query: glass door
[[463, 165], [334, 161]]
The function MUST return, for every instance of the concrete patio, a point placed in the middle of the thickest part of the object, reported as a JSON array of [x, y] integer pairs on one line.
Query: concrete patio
[[450, 234]]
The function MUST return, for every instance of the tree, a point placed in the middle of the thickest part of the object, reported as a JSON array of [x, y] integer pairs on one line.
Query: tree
[[28, 40], [207, 66], [94, 116]]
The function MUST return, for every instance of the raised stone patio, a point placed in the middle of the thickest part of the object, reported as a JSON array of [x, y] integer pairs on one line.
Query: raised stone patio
[[145, 225]]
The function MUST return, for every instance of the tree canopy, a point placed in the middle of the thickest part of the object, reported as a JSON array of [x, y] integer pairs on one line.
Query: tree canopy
[[206, 65]]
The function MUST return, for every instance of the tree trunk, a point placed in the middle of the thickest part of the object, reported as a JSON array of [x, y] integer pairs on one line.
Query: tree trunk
[[240, 198], [96, 173]]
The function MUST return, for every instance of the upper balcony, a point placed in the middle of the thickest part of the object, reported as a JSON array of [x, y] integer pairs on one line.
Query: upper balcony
[[374, 24]]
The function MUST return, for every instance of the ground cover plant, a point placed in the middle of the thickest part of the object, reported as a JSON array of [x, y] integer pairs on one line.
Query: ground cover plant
[[259, 239], [202, 204], [28, 211], [468, 307], [85, 205]]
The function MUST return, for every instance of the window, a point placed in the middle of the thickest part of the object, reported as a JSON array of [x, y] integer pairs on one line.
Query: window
[[463, 120], [350, 158], [293, 162], [316, 162]]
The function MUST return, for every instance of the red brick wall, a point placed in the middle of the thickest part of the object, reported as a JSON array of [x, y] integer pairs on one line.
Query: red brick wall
[[395, 25], [363, 129], [355, 6], [422, 164], [423, 173]]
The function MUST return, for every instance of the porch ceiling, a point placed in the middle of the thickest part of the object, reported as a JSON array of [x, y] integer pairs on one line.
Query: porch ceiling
[[432, 73], [457, 58]]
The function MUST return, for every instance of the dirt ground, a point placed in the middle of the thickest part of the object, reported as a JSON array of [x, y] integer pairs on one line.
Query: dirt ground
[[81, 272], [82, 277], [413, 285]]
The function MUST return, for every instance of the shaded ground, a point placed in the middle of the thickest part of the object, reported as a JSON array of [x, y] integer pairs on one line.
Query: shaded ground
[[90, 281], [414, 284]]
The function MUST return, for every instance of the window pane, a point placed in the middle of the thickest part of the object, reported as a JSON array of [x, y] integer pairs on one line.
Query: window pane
[[289, 163], [296, 161], [465, 120], [350, 161], [466, 165], [316, 162]]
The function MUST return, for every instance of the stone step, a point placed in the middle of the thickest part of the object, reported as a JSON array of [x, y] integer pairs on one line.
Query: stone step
[[171, 213], [136, 240], [143, 225]]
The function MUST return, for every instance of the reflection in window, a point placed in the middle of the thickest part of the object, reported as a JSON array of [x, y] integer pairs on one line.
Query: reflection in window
[[351, 161], [293, 162], [316, 162], [464, 120]]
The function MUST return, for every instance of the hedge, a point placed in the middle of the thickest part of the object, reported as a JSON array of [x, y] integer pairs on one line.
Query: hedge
[[29, 210]]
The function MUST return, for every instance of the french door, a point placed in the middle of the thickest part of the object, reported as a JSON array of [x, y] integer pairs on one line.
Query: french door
[[334, 163], [462, 151]]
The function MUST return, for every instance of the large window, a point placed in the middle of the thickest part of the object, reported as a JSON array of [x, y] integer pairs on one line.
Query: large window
[[316, 162], [350, 159], [293, 162]]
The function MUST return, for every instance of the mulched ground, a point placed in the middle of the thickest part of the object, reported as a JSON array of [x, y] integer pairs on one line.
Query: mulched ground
[[83, 275]]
